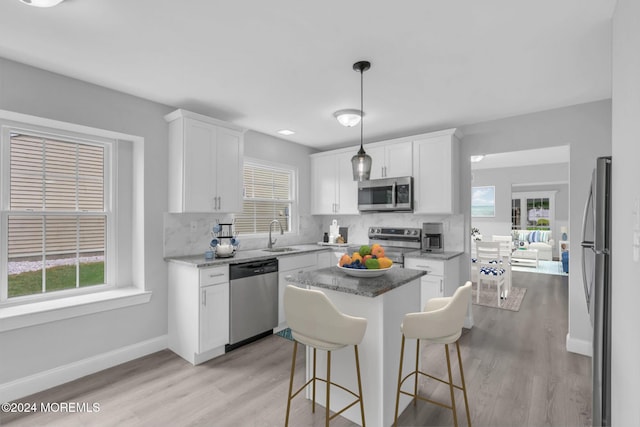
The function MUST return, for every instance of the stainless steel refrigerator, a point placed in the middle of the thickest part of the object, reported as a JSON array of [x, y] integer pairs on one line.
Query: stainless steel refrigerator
[[596, 275]]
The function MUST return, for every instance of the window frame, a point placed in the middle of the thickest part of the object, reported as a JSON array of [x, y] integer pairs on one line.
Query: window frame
[[293, 192], [110, 146], [544, 194]]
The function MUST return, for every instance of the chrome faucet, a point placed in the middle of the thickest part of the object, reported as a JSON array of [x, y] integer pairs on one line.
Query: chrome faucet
[[271, 243]]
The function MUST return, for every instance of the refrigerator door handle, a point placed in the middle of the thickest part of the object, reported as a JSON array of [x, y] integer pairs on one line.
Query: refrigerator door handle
[[586, 245]]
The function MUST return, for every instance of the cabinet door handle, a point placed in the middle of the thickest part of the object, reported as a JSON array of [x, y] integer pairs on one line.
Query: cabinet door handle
[[442, 286], [204, 298], [216, 275], [219, 203]]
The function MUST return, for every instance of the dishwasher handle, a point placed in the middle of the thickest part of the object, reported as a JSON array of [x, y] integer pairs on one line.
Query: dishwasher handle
[[254, 268]]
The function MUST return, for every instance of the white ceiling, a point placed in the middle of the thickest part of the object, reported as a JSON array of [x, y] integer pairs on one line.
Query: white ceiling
[[268, 65], [514, 159]]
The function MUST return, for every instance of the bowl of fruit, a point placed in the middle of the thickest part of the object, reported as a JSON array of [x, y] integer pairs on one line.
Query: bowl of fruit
[[369, 261]]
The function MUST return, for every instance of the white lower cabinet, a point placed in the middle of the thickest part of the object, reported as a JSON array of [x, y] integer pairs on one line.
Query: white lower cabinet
[[288, 266], [430, 287], [442, 277], [198, 311], [442, 280], [214, 317]]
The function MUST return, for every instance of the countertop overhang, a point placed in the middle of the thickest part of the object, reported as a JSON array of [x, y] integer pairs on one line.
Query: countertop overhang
[[334, 279]]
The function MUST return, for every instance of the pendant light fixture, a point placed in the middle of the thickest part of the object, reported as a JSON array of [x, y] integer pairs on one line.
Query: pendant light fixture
[[42, 3], [361, 162], [348, 118]]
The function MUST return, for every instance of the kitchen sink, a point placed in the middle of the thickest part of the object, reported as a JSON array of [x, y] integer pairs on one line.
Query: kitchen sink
[[279, 250]]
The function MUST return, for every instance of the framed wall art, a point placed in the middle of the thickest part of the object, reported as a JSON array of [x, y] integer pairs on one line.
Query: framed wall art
[[483, 201]]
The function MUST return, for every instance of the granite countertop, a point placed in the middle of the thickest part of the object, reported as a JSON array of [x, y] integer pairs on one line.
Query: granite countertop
[[334, 279], [199, 261], [443, 256]]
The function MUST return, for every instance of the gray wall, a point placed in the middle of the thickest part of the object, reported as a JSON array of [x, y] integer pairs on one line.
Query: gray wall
[[32, 350], [625, 375], [265, 147], [586, 128], [504, 180]]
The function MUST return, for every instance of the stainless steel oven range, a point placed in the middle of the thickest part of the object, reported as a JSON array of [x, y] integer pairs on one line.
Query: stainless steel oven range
[[396, 241]]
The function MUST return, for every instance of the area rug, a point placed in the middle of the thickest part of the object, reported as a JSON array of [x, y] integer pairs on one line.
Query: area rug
[[285, 333], [544, 267], [488, 298]]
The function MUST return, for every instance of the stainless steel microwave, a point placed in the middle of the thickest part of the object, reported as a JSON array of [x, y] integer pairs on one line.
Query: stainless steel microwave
[[387, 194]]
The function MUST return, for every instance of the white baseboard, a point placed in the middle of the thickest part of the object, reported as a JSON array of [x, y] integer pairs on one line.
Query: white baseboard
[[53, 377], [579, 346]]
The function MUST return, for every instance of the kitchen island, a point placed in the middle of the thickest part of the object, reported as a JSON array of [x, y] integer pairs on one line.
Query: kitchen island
[[383, 301]]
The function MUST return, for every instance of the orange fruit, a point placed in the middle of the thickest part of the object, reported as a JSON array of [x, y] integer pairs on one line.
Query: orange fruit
[[355, 256], [378, 251], [344, 260], [385, 262]]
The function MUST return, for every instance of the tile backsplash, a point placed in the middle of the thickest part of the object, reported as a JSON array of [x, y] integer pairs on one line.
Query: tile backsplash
[[359, 225], [190, 234]]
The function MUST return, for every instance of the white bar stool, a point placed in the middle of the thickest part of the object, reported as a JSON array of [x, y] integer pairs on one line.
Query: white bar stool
[[440, 322], [316, 322]]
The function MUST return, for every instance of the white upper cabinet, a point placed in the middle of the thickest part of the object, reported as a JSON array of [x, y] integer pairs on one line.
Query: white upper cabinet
[[205, 164], [436, 159], [390, 159], [333, 190]]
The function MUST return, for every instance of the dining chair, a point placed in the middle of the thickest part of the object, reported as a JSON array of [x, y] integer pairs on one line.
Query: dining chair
[[506, 250], [491, 269]]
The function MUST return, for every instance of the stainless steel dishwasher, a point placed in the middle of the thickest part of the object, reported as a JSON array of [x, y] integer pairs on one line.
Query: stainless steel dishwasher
[[253, 301]]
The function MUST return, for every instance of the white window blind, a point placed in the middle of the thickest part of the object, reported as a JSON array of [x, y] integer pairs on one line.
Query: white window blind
[[268, 195], [58, 217]]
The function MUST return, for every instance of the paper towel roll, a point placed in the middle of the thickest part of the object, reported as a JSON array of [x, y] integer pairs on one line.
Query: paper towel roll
[[334, 230]]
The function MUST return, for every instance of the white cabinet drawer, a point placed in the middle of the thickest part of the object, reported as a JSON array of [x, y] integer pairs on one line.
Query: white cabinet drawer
[[213, 276], [293, 262], [433, 267]]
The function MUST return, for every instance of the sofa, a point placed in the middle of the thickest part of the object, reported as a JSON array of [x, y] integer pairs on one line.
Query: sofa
[[535, 239]]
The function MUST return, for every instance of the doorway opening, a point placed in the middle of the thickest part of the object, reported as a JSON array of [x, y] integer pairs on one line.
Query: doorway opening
[[524, 195]]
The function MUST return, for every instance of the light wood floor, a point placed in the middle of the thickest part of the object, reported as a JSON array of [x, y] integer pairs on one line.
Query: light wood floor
[[517, 370]]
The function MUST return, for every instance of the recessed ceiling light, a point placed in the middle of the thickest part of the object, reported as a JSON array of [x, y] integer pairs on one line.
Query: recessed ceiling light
[[286, 132], [42, 3], [477, 158]]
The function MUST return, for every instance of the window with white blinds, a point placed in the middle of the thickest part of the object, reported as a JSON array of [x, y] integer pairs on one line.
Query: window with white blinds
[[58, 214], [268, 195]]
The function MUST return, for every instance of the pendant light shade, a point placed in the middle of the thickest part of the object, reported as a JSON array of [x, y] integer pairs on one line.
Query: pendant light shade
[[361, 162]]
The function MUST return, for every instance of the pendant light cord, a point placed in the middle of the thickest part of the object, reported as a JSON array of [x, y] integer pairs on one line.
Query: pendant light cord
[[361, 111]]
